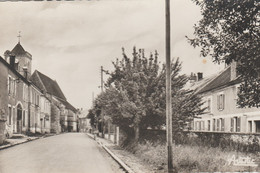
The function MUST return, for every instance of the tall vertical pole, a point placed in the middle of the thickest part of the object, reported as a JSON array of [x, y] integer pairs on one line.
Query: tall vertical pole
[[102, 115], [168, 87]]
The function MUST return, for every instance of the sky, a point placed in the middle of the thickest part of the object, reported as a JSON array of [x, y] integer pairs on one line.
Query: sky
[[70, 41]]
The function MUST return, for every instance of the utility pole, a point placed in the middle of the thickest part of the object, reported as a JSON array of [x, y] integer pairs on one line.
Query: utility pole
[[168, 87], [102, 115]]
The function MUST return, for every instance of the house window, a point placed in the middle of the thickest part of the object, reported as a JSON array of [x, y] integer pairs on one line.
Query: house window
[[38, 100], [202, 125], [208, 125], [257, 126], [222, 124], [14, 89], [10, 115], [9, 85], [221, 101], [218, 124], [250, 126], [238, 125], [235, 124], [209, 105], [214, 124]]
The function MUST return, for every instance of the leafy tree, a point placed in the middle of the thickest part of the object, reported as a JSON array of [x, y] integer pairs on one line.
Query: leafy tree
[[135, 98], [93, 118], [229, 31]]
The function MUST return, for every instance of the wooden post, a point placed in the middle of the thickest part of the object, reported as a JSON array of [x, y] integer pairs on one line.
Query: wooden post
[[168, 86], [117, 135], [102, 115], [114, 134]]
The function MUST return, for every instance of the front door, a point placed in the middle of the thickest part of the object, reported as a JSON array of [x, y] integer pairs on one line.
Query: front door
[[19, 119]]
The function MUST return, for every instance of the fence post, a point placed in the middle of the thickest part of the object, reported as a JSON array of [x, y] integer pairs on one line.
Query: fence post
[[117, 135], [114, 134], [108, 130]]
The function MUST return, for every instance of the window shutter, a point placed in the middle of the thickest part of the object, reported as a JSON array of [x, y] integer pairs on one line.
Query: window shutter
[[214, 124], [222, 124], [218, 102], [232, 125], [223, 101], [238, 123]]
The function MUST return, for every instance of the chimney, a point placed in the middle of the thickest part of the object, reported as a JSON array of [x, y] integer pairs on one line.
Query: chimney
[[25, 70], [12, 61], [200, 76], [233, 67]]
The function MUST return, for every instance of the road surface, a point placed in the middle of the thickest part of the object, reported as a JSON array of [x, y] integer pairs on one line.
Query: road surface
[[65, 153]]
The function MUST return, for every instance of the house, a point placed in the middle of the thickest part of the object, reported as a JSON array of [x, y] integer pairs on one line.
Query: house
[[223, 114], [84, 122], [19, 98], [13, 98], [63, 114]]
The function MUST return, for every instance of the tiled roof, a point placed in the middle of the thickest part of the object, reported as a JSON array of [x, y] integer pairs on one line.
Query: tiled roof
[[67, 105], [47, 84], [222, 80]]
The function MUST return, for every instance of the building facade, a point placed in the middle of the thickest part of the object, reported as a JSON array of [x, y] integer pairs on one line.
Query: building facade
[[29, 103], [222, 113]]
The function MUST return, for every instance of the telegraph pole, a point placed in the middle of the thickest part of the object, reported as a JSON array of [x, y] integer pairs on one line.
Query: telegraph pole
[[168, 87], [102, 115]]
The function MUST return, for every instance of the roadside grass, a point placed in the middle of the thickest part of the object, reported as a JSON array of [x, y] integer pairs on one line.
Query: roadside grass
[[190, 158]]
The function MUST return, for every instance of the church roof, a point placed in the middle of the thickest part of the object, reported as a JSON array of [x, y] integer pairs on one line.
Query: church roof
[[67, 105], [47, 84], [18, 50]]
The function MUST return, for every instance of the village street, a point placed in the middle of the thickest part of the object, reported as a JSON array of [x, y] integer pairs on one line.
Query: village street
[[65, 153]]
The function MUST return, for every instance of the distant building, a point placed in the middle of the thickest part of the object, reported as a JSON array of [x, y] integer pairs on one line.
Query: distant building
[[84, 122], [219, 94]]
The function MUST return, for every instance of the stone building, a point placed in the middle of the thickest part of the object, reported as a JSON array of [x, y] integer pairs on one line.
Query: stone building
[[63, 114], [219, 94]]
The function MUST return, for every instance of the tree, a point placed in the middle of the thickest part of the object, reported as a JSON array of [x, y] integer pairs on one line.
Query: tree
[[135, 98], [229, 31]]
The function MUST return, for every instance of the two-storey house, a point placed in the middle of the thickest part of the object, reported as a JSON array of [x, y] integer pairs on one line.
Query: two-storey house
[[223, 114]]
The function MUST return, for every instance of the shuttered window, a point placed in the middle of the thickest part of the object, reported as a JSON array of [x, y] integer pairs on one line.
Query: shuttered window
[[238, 123], [222, 124], [214, 124], [232, 125], [221, 101]]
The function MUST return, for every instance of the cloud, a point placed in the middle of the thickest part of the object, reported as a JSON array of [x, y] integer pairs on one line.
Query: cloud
[[69, 41]]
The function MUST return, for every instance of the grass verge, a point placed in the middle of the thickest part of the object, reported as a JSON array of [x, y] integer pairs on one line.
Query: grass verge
[[191, 158]]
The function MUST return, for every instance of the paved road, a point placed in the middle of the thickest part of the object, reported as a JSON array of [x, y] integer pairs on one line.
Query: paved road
[[65, 153]]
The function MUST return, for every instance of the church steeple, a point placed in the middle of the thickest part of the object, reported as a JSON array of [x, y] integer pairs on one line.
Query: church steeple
[[23, 59]]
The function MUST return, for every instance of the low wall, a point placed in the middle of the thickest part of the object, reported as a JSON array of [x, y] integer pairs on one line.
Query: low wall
[[244, 142]]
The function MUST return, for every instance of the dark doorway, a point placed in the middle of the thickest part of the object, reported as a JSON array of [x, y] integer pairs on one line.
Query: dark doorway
[[19, 118]]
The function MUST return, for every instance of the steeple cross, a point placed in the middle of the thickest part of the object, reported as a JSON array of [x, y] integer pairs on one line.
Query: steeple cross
[[19, 37]]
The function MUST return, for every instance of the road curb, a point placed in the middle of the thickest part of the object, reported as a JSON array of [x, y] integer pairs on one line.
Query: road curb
[[117, 159], [19, 143], [12, 145]]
